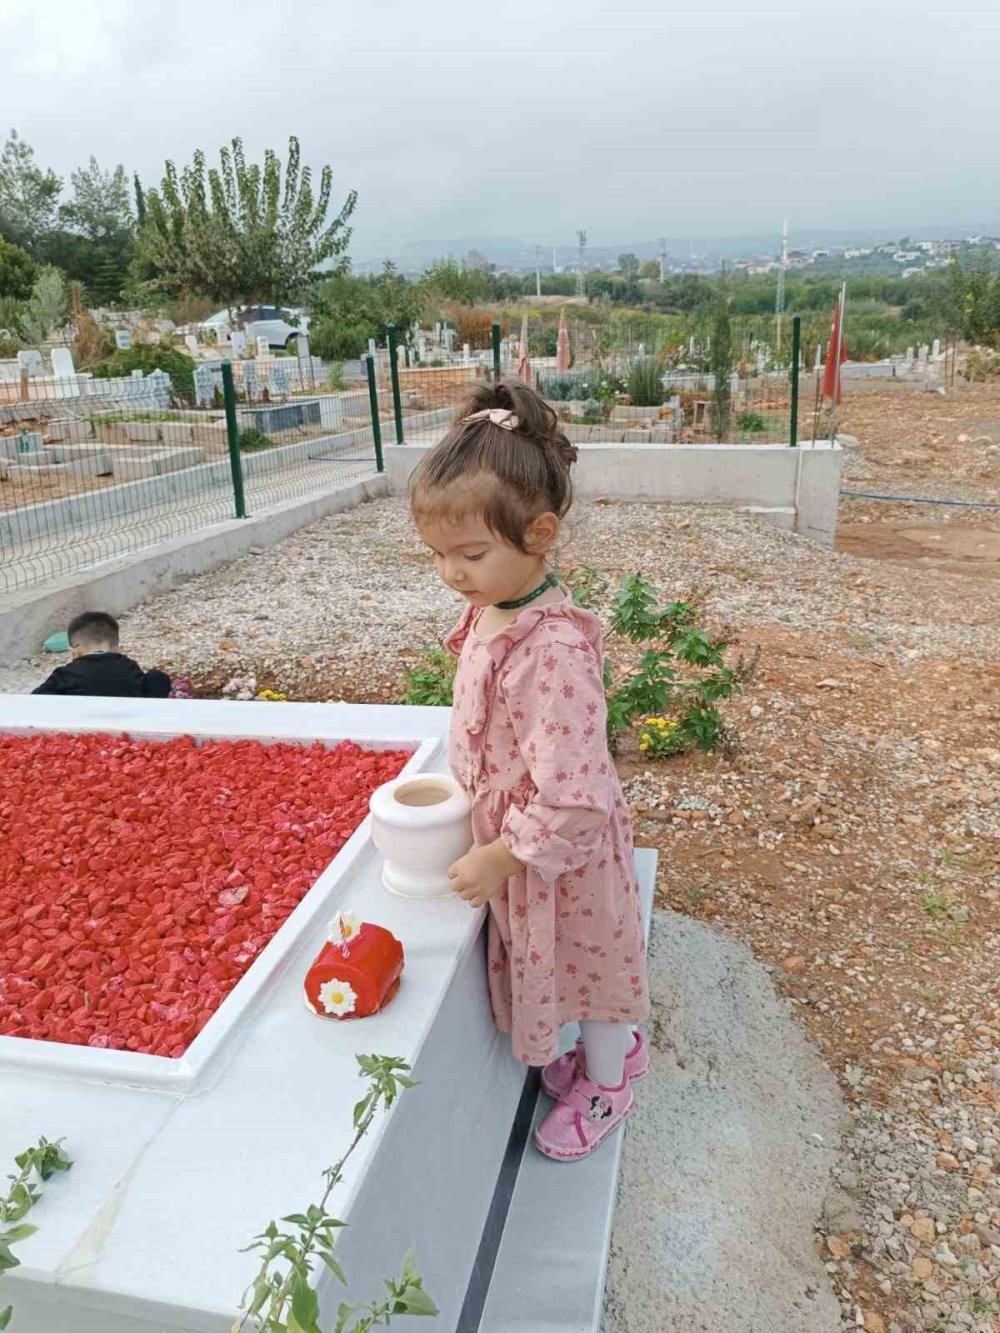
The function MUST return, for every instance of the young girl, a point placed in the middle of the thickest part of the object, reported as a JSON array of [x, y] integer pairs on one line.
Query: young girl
[[553, 854]]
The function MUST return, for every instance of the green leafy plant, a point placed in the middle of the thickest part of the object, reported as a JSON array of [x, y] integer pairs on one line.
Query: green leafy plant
[[430, 681], [751, 422], [335, 378], [252, 440], [39, 1163], [682, 670], [644, 384], [935, 903], [148, 357], [282, 1298], [659, 737], [339, 342], [47, 306]]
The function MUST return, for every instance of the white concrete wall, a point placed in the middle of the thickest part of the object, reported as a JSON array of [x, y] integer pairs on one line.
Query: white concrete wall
[[27, 617], [802, 482]]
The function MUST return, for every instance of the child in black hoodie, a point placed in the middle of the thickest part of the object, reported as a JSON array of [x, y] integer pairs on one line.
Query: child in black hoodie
[[99, 668]]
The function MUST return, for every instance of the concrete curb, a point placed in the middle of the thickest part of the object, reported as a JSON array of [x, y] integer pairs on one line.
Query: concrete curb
[[117, 585]]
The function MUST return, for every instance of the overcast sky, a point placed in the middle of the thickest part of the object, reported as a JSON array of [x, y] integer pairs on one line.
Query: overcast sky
[[528, 118]]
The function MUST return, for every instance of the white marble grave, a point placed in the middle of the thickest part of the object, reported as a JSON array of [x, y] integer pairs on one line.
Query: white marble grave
[[175, 1169], [62, 363]]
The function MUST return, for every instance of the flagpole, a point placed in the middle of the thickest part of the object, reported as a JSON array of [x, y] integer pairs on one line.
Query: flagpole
[[837, 382]]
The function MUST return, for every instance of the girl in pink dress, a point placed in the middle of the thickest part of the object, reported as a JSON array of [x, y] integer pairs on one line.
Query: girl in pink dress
[[553, 855]]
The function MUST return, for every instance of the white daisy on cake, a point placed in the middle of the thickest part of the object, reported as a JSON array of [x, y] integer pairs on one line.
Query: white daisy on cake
[[344, 928], [338, 997]]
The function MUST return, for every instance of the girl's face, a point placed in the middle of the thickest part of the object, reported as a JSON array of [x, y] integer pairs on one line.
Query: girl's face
[[482, 566]]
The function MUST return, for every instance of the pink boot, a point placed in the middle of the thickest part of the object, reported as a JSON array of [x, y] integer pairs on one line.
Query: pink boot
[[583, 1119], [559, 1076]]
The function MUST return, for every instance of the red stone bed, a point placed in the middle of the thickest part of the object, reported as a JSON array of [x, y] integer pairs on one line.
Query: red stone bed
[[140, 879]]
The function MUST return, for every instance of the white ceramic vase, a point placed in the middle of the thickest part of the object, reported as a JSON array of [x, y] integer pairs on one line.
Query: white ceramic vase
[[421, 825]]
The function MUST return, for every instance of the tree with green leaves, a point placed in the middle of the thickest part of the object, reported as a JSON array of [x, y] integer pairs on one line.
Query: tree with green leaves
[[240, 232], [971, 304], [100, 207], [95, 242], [452, 282], [628, 264], [47, 306], [28, 195], [17, 271], [721, 360]]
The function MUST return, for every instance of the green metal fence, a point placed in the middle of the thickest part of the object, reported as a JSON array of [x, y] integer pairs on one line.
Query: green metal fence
[[87, 479]]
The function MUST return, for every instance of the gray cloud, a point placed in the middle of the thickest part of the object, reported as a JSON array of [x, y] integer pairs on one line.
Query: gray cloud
[[530, 118]]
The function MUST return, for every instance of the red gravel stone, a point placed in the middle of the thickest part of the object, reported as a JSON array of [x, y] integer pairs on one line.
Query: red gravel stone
[[140, 879]]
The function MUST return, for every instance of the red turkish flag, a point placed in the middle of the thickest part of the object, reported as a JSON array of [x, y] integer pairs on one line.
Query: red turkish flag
[[831, 371]]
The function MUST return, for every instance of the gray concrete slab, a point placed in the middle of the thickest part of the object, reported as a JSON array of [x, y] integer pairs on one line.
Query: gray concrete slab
[[550, 1266]]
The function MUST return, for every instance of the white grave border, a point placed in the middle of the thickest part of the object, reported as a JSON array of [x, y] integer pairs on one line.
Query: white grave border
[[163, 1073]]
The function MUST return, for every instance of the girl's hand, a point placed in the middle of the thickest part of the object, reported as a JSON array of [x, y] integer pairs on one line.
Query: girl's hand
[[482, 872]]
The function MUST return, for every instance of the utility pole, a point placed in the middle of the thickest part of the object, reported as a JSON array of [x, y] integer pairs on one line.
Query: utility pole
[[555, 268], [663, 259], [581, 281], [779, 300], [538, 270]]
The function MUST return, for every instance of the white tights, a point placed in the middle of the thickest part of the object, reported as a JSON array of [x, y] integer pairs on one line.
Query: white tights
[[606, 1046]]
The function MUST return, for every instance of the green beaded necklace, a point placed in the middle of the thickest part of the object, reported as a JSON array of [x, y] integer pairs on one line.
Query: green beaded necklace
[[550, 581]]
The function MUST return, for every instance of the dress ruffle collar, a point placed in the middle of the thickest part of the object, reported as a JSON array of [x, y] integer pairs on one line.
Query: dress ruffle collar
[[523, 624]]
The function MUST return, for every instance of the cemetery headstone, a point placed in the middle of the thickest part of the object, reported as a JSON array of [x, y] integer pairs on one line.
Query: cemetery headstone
[[62, 363], [263, 348], [281, 378], [204, 386], [239, 342], [30, 360], [936, 348], [251, 380], [123, 340], [302, 347], [191, 343], [924, 351], [371, 347]]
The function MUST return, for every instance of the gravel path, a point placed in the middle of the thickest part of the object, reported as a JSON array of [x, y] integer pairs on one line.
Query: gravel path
[[335, 610]]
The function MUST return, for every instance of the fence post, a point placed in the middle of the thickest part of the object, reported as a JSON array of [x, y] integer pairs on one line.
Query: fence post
[[397, 405], [796, 342], [373, 402], [496, 349], [233, 431]]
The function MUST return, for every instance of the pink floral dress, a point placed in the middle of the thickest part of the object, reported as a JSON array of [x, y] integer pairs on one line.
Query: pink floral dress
[[528, 744]]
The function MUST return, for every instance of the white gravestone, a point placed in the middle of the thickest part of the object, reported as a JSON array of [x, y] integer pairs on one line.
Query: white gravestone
[[239, 342], [123, 340], [31, 361], [62, 363], [191, 343], [204, 386], [281, 378], [302, 347], [936, 348], [263, 348]]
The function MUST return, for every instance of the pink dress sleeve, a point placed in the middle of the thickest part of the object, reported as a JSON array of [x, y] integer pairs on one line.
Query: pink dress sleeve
[[555, 698]]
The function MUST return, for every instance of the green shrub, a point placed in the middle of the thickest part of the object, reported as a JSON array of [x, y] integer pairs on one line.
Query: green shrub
[[252, 439], [431, 681], [339, 342], [751, 422], [656, 686], [644, 384], [148, 357], [335, 377]]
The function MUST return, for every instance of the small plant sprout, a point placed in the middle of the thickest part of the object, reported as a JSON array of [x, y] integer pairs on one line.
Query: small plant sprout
[[282, 1298], [39, 1163]]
